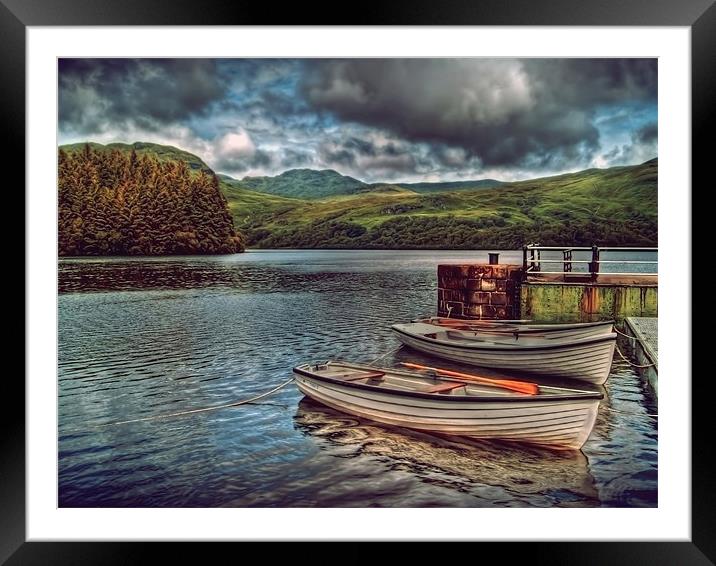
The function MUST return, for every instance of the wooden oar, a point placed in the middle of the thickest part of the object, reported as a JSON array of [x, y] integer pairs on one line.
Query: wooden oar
[[494, 328], [520, 386]]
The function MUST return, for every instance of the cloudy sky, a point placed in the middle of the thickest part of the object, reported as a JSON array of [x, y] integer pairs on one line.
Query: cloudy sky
[[374, 119]]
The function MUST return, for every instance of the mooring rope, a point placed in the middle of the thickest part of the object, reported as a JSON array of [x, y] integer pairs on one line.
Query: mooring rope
[[623, 357], [386, 354], [205, 409], [632, 364], [625, 335]]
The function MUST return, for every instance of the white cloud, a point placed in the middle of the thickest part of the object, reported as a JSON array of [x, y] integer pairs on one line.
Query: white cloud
[[234, 145]]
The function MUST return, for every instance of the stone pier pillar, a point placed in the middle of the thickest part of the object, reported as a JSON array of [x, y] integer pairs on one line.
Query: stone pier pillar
[[479, 291]]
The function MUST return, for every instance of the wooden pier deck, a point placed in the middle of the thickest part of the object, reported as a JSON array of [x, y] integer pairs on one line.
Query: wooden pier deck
[[645, 346]]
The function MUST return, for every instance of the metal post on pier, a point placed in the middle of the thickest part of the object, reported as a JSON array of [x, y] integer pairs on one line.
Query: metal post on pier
[[539, 258], [594, 264]]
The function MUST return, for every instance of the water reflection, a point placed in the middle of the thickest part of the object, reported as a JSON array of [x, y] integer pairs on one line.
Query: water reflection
[[256, 271], [530, 475]]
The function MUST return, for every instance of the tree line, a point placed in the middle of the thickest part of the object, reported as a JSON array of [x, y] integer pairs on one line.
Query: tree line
[[447, 232], [119, 203]]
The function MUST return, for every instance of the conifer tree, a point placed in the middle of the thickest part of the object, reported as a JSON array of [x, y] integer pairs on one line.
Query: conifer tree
[[115, 203]]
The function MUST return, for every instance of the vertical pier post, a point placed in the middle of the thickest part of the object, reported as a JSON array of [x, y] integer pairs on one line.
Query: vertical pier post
[[594, 265]]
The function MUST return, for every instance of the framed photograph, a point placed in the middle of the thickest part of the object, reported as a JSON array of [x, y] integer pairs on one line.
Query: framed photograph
[[277, 251]]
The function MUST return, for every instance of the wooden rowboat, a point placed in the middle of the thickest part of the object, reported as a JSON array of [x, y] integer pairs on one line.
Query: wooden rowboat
[[587, 358], [523, 328], [555, 417]]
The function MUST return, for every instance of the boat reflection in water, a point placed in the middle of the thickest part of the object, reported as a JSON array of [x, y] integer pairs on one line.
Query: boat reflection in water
[[493, 472]]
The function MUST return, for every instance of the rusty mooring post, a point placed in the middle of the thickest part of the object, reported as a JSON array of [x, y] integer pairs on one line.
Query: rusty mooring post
[[493, 259]]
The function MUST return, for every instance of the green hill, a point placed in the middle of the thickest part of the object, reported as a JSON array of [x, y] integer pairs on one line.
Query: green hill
[[451, 186], [304, 183], [615, 206]]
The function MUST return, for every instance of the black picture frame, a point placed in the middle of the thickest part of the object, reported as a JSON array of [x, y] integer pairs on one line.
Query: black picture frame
[[699, 15]]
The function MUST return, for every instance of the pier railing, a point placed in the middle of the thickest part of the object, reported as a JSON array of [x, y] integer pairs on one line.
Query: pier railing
[[533, 259]]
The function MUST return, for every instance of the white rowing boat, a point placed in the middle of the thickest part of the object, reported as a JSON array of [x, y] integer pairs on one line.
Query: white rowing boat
[[517, 328], [470, 406], [587, 358]]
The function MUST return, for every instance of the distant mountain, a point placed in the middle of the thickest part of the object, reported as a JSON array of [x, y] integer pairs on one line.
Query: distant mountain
[[451, 186], [161, 152], [305, 183], [326, 183]]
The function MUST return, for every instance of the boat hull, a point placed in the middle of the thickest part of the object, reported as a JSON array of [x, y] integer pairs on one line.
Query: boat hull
[[583, 360], [557, 424]]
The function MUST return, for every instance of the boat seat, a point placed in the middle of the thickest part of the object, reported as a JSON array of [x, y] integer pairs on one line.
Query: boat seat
[[364, 375], [444, 387]]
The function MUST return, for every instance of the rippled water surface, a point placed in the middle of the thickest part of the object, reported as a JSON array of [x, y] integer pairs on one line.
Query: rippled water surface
[[144, 337]]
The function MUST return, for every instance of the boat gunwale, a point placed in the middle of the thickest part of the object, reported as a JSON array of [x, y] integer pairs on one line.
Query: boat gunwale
[[511, 347], [581, 396], [529, 327]]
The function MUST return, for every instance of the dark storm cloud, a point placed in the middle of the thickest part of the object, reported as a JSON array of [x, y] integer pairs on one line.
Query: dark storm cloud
[[375, 119], [391, 165], [648, 133], [279, 159], [240, 163], [643, 145], [279, 103], [447, 157], [291, 158], [535, 112], [361, 146], [367, 157], [336, 157], [347, 151], [95, 94]]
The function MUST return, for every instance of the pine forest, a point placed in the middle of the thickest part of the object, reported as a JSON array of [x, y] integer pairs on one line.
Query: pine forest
[[119, 203]]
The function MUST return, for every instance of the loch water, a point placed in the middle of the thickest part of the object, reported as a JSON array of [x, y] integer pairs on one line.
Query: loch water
[[145, 337]]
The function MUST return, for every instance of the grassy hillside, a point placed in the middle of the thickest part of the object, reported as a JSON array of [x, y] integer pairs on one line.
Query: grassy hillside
[[304, 183], [616, 206], [451, 186], [250, 208]]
